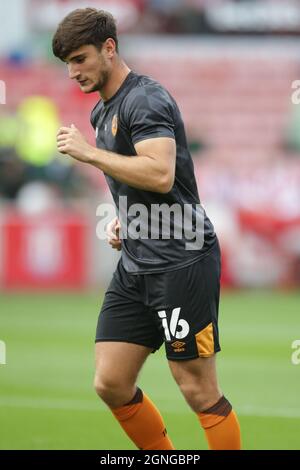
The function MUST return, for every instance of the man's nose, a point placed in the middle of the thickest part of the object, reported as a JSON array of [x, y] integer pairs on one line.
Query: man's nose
[[73, 72]]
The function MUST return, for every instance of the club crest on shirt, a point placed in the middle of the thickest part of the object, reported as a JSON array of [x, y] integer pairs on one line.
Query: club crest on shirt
[[114, 125]]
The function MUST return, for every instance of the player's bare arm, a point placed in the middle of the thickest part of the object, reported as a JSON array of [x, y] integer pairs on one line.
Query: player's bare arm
[[152, 169]]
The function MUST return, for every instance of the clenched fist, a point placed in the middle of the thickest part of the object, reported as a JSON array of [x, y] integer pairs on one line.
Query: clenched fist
[[70, 141]]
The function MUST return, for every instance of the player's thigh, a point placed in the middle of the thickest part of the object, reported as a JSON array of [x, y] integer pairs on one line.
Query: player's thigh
[[118, 363], [200, 372]]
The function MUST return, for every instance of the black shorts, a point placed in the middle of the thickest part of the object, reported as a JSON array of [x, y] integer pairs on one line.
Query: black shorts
[[178, 307]]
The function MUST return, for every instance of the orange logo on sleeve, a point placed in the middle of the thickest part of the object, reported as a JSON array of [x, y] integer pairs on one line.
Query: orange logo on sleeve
[[114, 125]]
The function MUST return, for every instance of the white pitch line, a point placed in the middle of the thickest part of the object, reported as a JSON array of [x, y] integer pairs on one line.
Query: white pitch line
[[40, 403], [261, 411], [81, 405]]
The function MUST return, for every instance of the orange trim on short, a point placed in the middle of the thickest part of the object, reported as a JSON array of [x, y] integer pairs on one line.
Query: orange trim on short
[[205, 341]]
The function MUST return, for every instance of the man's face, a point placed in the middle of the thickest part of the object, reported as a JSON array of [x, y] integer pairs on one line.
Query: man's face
[[89, 67]]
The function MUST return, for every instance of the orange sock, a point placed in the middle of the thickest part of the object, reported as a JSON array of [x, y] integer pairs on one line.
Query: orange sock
[[143, 423], [221, 426]]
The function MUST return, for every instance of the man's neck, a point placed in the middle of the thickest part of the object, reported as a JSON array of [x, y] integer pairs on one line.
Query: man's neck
[[115, 81]]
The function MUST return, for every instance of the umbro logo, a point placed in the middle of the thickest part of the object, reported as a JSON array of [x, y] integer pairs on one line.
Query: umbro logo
[[178, 346]]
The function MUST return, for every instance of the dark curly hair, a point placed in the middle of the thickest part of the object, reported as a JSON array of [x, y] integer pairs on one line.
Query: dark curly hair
[[83, 26]]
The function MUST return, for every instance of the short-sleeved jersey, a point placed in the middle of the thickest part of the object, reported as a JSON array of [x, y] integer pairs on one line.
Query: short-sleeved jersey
[[142, 109]]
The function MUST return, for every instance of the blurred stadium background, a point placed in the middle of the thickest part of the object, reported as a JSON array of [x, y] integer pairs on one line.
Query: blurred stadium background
[[232, 66]]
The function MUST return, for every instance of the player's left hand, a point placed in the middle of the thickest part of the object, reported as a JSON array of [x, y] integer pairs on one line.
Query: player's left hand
[[70, 141]]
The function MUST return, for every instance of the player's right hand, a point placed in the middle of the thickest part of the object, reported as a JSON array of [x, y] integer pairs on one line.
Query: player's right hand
[[113, 233]]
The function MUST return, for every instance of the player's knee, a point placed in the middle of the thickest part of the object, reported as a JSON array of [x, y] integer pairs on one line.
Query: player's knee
[[106, 388], [112, 391]]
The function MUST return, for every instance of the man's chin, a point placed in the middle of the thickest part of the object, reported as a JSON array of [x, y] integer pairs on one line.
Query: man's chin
[[88, 89]]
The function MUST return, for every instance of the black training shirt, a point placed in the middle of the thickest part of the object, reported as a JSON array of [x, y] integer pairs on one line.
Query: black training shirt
[[142, 109]]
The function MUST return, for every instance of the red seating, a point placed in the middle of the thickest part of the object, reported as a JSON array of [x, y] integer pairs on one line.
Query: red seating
[[234, 102]]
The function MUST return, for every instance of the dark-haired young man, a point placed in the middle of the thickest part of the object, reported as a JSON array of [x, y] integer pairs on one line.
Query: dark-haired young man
[[165, 288]]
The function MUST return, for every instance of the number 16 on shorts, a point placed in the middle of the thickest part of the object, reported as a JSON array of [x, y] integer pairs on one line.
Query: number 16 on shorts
[[178, 329]]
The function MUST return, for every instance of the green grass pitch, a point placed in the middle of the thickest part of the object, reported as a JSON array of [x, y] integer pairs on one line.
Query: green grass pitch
[[47, 399]]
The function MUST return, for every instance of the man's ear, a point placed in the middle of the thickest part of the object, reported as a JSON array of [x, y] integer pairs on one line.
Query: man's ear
[[110, 47]]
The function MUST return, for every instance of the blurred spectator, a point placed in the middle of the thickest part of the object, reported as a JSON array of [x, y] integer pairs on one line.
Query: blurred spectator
[[28, 151], [195, 143], [38, 124], [12, 173]]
